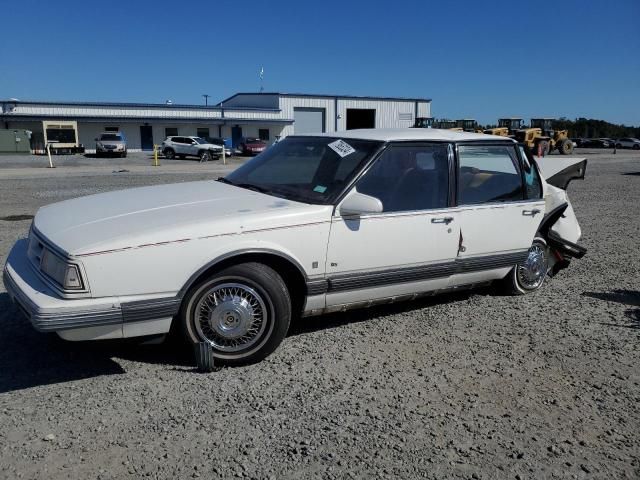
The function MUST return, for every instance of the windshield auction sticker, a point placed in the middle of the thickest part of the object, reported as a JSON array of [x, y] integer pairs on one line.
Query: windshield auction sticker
[[342, 148]]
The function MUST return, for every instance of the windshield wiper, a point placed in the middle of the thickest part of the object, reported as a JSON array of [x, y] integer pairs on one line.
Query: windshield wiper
[[249, 186], [224, 180], [255, 188]]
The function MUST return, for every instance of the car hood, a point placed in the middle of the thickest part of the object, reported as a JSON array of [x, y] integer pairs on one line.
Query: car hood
[[164, 214]]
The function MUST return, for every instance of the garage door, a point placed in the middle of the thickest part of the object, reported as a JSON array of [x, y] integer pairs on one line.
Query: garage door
[[308, 120]]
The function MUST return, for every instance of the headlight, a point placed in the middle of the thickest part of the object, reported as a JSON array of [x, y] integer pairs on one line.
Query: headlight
[[67, 275]]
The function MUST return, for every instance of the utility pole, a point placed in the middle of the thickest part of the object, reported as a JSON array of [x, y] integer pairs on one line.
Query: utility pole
[[206, 99]]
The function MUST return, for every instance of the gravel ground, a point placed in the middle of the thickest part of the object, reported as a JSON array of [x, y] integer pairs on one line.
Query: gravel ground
[[473, 385]]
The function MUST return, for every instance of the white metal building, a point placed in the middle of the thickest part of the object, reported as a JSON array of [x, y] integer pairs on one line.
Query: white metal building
[[268, 116]]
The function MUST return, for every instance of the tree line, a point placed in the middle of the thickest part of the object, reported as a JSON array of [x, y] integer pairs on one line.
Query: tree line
[[591, 128]]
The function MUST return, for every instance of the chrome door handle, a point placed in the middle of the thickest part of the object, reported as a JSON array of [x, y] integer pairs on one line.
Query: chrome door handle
[[445, 220], [531, 213]]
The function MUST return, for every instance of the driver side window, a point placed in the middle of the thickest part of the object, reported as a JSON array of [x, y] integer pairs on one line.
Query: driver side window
[[409, 178]]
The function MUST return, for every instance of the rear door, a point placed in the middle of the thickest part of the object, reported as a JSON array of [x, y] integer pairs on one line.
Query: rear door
[[179, 145], [500, 207]]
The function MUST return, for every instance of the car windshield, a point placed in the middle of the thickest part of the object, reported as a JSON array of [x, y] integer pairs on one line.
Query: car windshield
[[307, 169], [111, 136]]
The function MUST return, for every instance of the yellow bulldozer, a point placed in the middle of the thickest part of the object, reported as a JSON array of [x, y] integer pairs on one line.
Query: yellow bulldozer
[[541, 138], [506, 127], [445, 124], [467, 125]]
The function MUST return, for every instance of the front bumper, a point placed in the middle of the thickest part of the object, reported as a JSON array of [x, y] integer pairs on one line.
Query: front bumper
[[83, 318], [40, 304]]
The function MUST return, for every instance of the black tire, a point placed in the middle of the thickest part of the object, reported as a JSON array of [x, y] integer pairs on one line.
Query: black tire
[[169, 153], [205, 156], [619, 145], [565, 147], [515, 284], [636, 146], [267, 298]]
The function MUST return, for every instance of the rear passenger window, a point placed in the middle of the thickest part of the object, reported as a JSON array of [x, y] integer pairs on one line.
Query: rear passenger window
[[532, 183], [408, 178], [488, 174]]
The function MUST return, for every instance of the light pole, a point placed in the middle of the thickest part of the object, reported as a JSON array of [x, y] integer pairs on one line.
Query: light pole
[[206, 99]]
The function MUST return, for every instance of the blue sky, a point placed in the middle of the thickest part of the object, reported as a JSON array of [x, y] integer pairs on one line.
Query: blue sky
[[475, 59]]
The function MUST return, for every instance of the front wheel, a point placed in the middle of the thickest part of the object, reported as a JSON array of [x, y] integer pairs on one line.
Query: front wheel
[[529, 276], [636, 146], [243, 312], [205, 156], [565, 147]]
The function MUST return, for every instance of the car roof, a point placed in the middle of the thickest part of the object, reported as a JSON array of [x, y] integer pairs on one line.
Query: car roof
[[400, 134]]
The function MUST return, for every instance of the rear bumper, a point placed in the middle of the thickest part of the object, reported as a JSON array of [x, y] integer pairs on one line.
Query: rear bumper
[[83, 318]]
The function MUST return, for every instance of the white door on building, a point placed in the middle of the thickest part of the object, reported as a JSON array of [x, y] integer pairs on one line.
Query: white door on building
[[308, 120]]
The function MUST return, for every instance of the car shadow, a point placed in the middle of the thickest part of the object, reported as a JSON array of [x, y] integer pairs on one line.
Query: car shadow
[[30, 359], [634, 174], [626, 297], [334, 320]]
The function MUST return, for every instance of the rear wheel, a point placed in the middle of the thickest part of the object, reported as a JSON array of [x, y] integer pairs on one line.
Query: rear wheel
[[529, 276], [565, 147], [169, 153], [243, 312]]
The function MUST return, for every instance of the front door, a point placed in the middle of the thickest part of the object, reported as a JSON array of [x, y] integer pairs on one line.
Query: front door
[[499, 216], [146, 137], [411, 245], [236, 136]]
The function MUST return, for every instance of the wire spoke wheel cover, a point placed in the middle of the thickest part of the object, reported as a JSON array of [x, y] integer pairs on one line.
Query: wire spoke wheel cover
[[232, 317], [532, 271]]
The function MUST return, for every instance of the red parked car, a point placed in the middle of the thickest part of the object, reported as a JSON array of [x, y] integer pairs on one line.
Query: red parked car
[[252, 146]]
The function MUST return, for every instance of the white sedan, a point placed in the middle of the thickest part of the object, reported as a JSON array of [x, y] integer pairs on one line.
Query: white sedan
[[315, 224]]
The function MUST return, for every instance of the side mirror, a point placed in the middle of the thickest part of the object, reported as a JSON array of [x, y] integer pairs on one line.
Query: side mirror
[[358, 203]]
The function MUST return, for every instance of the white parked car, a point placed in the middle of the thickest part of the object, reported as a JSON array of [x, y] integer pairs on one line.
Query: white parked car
[[111, 143], [182, 147], [315, 224], [633, 143]]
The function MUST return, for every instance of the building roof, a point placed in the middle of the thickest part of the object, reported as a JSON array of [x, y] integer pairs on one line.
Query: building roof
[[312, 95], [130, 105], [404, 134]]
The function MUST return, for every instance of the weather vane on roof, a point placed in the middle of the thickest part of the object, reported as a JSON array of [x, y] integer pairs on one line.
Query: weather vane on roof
[[261, 79]]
